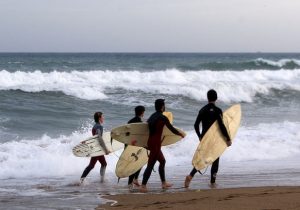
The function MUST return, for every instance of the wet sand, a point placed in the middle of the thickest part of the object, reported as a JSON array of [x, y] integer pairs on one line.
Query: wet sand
[[252, 198], [249, 189]]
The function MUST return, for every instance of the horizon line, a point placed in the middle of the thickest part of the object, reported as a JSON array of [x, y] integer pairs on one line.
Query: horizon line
[[149, 52]]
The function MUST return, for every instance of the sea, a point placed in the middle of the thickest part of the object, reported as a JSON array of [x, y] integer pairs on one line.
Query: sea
[[47, 102]]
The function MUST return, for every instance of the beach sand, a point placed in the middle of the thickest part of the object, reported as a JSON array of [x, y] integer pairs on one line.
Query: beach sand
[[267, 198]]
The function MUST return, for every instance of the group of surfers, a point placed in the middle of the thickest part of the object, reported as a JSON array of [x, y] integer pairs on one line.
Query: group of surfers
[[156, 122]]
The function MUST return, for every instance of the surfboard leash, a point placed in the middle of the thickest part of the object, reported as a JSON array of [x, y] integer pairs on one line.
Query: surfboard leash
[[203, 172]]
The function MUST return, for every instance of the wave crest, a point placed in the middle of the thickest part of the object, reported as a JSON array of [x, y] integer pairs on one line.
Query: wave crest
[[51, 157], [282, 63], [232, 86]]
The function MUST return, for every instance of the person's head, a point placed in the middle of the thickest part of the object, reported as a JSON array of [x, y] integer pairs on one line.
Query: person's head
[[160, 105], [98, 117], [212, 95], [139, 111]]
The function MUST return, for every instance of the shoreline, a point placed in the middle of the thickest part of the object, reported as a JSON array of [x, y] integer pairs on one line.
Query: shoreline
[[269, 197]]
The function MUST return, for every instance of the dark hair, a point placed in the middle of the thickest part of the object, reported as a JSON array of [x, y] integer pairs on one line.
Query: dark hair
[[139, 110], [159, 103], [212, 95], [97, 115]]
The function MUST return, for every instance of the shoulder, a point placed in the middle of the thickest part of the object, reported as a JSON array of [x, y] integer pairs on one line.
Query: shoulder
[[98, 126], [164, 117], [160, 115], [153, 115], [204, 109], [131, 120], [150, 118], [218, 109], [135, 120]]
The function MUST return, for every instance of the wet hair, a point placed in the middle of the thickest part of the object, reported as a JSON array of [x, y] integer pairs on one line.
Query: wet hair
[[139, 110], [97, 115], [159, 103], [212, 95]]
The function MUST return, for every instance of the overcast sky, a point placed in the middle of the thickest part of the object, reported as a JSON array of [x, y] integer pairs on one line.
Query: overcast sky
[[149, 25]]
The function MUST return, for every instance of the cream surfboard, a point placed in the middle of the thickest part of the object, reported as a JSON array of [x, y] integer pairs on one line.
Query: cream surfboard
[[134, 158], [91, 147], [131, 160], [213, 142], [136, 134], [169, 115]]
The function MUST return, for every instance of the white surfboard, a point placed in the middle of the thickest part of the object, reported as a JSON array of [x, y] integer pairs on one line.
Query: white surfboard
[[137, 134], [134, 158], [91, 147], [213, 143]]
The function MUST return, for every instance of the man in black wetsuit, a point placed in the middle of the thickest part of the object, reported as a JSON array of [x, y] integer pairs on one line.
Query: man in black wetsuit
[[208, 115], [139, 113], [156, 123]]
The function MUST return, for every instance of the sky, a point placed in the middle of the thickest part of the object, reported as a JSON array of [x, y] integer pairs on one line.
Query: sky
[[149, 26]]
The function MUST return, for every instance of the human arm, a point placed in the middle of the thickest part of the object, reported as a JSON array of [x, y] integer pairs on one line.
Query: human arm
[[171, 127], [223, 129], [197, 124], [99, 132]]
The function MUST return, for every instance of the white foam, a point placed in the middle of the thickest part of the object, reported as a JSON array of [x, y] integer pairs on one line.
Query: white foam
[[52, 157], [274, 141], [280, 63], [232, 86]]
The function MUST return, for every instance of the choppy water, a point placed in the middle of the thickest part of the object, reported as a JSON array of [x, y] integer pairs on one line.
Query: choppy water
[[47, 102]]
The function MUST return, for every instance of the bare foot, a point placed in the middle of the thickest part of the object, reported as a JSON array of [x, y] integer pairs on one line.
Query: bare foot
[[166, 185], [213, 185], [143, 189], [136, 182]]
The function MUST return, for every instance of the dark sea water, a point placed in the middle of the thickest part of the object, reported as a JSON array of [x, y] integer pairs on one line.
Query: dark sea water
[[47, 102]]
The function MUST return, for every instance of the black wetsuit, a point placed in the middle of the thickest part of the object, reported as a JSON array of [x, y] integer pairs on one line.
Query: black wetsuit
[[208, 115], [156, 123], [136, 119]]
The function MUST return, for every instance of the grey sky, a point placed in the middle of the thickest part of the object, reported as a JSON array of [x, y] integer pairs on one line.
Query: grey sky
[[149, 25]]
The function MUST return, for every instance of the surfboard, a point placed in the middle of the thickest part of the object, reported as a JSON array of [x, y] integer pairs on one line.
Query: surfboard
[[213, 143], [91, 147], [169, 115], [133, 158], [136, 134]]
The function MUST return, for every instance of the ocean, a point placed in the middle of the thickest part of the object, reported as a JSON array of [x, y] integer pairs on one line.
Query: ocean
[[47, 102]]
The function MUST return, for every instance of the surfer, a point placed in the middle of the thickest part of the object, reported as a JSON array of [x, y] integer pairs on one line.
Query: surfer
[[139, 113], [208, 115], [156, 123], [97, 130]]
